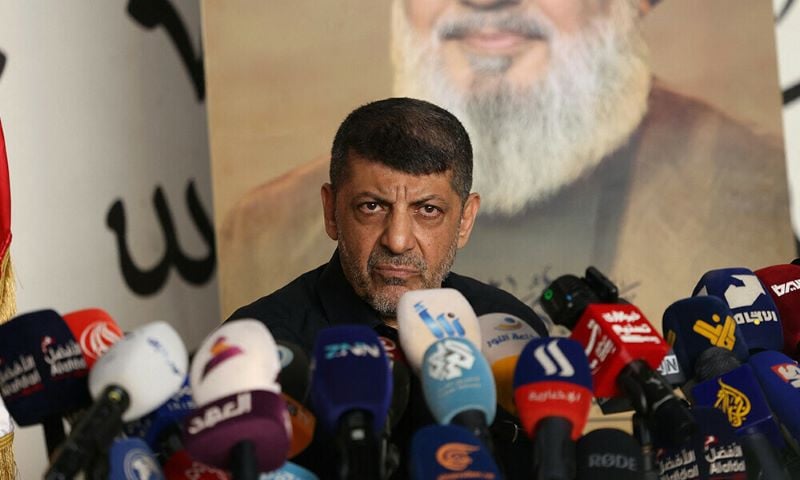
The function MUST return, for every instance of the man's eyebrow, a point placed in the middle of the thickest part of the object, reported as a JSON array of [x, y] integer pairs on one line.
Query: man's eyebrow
[[382, 199]]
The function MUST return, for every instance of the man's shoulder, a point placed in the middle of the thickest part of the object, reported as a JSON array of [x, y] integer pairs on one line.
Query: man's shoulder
[[486, 298]]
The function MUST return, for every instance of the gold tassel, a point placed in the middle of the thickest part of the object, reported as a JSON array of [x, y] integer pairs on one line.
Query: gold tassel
[[8, 290], [8, 468]]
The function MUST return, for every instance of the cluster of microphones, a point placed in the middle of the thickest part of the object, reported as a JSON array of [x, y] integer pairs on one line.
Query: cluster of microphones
[[715, 397]]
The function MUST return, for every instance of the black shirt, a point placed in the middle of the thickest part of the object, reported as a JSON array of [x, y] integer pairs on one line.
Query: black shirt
[[323, 297]]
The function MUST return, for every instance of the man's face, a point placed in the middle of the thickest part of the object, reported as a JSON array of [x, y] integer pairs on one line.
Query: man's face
[[484, 42], [545, 88], [396, 231]]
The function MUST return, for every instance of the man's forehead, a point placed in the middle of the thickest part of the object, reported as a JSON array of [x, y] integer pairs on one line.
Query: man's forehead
[[371, 175]]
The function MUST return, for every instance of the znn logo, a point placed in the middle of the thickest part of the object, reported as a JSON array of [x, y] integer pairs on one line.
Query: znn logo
[[441, 326], [720, 335], [449, 360], [553, 360]]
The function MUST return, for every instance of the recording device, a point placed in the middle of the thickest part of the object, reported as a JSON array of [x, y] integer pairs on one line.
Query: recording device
[[351, 390], [425, 316], [241, 423], [459, 387], [782, 283], [553, 393], [567, 297], [504, 336], [751, 306], [608, 453], [94, 330], [449, 451], [135, 376], [623, 350], [42, 372]]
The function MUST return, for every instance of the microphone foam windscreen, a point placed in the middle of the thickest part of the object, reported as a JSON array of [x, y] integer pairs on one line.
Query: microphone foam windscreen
[[289, 471], [259, 416], [782, 282], [552, 379], [779, 377], [425, 316], [350, 371], [172, 412], [608, 453], [752, 308], [295, 370], [613, 335], [95, 331], [303, 423], [149, 364], [236, 357], [694, 324], [504, 336], [738, 395], [447, 451], [132, 459], [456, 378], [42, 369]]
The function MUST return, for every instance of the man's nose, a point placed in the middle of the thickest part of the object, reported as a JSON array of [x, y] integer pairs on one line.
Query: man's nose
[[398, 236], [490, 4]]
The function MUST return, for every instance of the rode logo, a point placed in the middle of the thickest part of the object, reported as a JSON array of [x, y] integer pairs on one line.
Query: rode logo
[[97, 338], [789, 372], [782, 289], [220, 352], [139, 464], [444, 325], [449, 360], [210, 416], [733, 402], [613, 460], [455, 456], [617, 316], [357, 349], [720, 335], [553, 360]]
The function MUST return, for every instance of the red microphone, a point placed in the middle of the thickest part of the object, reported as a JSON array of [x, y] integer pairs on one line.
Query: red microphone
[[783, 285], [95, 331], [624, 351], [181, 466]]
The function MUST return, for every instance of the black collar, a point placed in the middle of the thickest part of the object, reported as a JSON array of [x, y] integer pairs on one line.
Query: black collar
[[339, 301]]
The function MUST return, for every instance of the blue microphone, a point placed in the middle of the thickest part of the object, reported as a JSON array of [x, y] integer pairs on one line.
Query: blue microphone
[[132, 459], [351, 390], [289, 471], [459, 387], [779, 377], [752, 307], [738, 395], [161, 429], [448, 451]]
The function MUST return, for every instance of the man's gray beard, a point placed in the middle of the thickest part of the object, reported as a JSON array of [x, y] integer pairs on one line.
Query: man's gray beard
[[530, 142]]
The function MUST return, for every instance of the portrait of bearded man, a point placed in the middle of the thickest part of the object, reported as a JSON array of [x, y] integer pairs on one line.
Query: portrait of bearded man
[[582, 158]]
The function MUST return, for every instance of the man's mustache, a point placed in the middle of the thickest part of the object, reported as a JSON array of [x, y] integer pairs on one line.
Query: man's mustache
[[527, 25], [383, 257]]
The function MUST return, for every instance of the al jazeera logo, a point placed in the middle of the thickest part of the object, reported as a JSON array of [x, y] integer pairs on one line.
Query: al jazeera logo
[[720, 334], [457, 457], [733, 402]]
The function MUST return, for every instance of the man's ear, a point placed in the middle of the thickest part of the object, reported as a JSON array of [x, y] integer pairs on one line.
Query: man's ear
[[468, 214], [329, 210]]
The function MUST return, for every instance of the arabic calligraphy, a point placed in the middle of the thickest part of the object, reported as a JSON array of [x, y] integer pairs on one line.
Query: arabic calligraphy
[[733, 402]]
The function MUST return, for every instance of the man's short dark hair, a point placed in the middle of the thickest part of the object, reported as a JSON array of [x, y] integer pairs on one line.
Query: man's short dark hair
[[408, 135]]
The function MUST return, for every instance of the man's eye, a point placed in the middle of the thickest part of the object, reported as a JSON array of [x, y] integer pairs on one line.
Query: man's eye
[[369, 206], [430, 211]]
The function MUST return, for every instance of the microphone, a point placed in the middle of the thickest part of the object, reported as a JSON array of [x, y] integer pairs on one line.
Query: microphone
[[136, 375], [95, 331], [42, 372], [608, 453], [289, 471], [293, 379], [160, 429], [623, 350], [693, 325], [504, 336], [132, 459], [447, 451], [553, 393], [401, 380], [351, 389], [425, 316], [779, 377], [567, 297], [737, 394], [782, 282], [459, 387], [236, 357], [180, 466], [752, 308], [241, 423]]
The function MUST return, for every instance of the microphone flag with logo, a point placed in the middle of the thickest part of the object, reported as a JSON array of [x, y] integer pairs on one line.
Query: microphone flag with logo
[[751, 305], [504, 336], [132, 459], [782, 282], [779, 377], [164, 419], [447, 451], [425, 316], [608, 453], [95, 331]]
